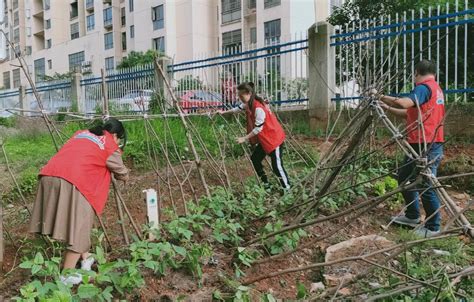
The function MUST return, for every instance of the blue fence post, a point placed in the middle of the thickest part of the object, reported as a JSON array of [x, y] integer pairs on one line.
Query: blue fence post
[[321, 72]]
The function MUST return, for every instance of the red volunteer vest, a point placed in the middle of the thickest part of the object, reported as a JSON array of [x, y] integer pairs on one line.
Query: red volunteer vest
[[82, 162], [432, 115], [272, 134]]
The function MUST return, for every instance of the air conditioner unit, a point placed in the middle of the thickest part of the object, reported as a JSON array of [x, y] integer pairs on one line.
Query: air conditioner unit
[[86, 67]]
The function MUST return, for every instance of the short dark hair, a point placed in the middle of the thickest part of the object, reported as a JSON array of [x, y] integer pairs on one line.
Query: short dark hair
[[425, 67], [113, 126]]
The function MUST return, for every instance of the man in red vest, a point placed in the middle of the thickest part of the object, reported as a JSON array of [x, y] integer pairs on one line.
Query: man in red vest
[[424, 112]]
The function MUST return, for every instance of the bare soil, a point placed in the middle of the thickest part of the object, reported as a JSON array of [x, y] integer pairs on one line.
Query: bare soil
[[179, 283]]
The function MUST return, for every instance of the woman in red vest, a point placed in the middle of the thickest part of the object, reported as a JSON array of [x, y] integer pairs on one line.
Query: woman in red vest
[[265, 131], [423, 110], [74, 186]]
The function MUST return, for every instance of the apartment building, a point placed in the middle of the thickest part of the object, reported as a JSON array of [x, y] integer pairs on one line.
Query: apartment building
[[57, 36]]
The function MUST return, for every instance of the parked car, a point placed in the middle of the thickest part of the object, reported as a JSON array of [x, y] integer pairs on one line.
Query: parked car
[[192, 101], [135, 100]]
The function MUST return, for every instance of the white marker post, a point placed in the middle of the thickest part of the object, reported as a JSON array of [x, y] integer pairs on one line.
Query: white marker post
[[152, 210]]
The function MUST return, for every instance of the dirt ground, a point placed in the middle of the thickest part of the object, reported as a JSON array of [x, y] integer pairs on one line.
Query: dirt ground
[[178, 283]]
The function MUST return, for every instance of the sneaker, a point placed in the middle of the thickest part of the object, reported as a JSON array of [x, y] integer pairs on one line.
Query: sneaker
[[425, 233], [73, 279], [86, 264], [403, 220]]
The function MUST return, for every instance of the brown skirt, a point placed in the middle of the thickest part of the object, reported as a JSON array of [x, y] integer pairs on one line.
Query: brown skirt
[[63, 213]]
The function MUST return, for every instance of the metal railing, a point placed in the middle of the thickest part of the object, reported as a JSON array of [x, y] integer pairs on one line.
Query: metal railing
[[393, 45], [279, 73], [128, 90]]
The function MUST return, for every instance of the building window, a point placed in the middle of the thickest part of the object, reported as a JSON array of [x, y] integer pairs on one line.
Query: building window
[[17, 51], [74, 11], [231, 41], [90, 22], [124, 41], [40, 70], [16, 35], [122, 16], [28, 51], [74, 30], [50, 64], [47, 4], [89, 4], [231, 10], [108, 41], [253, 35], [15, 4], [16, 19], [7, 52], [16, 78], [109, 63], [108, 16], [47, 24], [158, 17], [76, 59], [48, 43], [132, 31], [272, 32], [28, 31], [158, 44], [6, 80], [252, 4], [130, 5], [271, 3]]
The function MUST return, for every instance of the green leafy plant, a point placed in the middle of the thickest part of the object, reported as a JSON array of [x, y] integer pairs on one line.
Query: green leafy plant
[[282, 242]]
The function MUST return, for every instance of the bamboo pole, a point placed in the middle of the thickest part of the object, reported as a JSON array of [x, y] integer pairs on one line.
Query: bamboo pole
[[132, 221], [197, 159]]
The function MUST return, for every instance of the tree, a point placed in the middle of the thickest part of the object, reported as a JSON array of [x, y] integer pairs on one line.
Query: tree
[[368, 9], [138, 58]]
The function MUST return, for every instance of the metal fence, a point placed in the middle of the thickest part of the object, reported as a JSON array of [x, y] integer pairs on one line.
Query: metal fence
[[8, 99], [55, 96], [278, 70], [393, 45], [128, 90]]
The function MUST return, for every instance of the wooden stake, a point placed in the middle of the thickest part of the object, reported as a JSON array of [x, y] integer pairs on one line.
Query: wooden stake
[[197, 159], [122, 220], [132, 221], [109, 243]]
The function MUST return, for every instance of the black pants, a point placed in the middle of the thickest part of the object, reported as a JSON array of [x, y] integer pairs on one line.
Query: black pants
[[258, 156]]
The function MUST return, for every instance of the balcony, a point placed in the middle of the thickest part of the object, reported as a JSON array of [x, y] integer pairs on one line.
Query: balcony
[[39, 14], [39, 34], [107, 2], [90, 5]]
